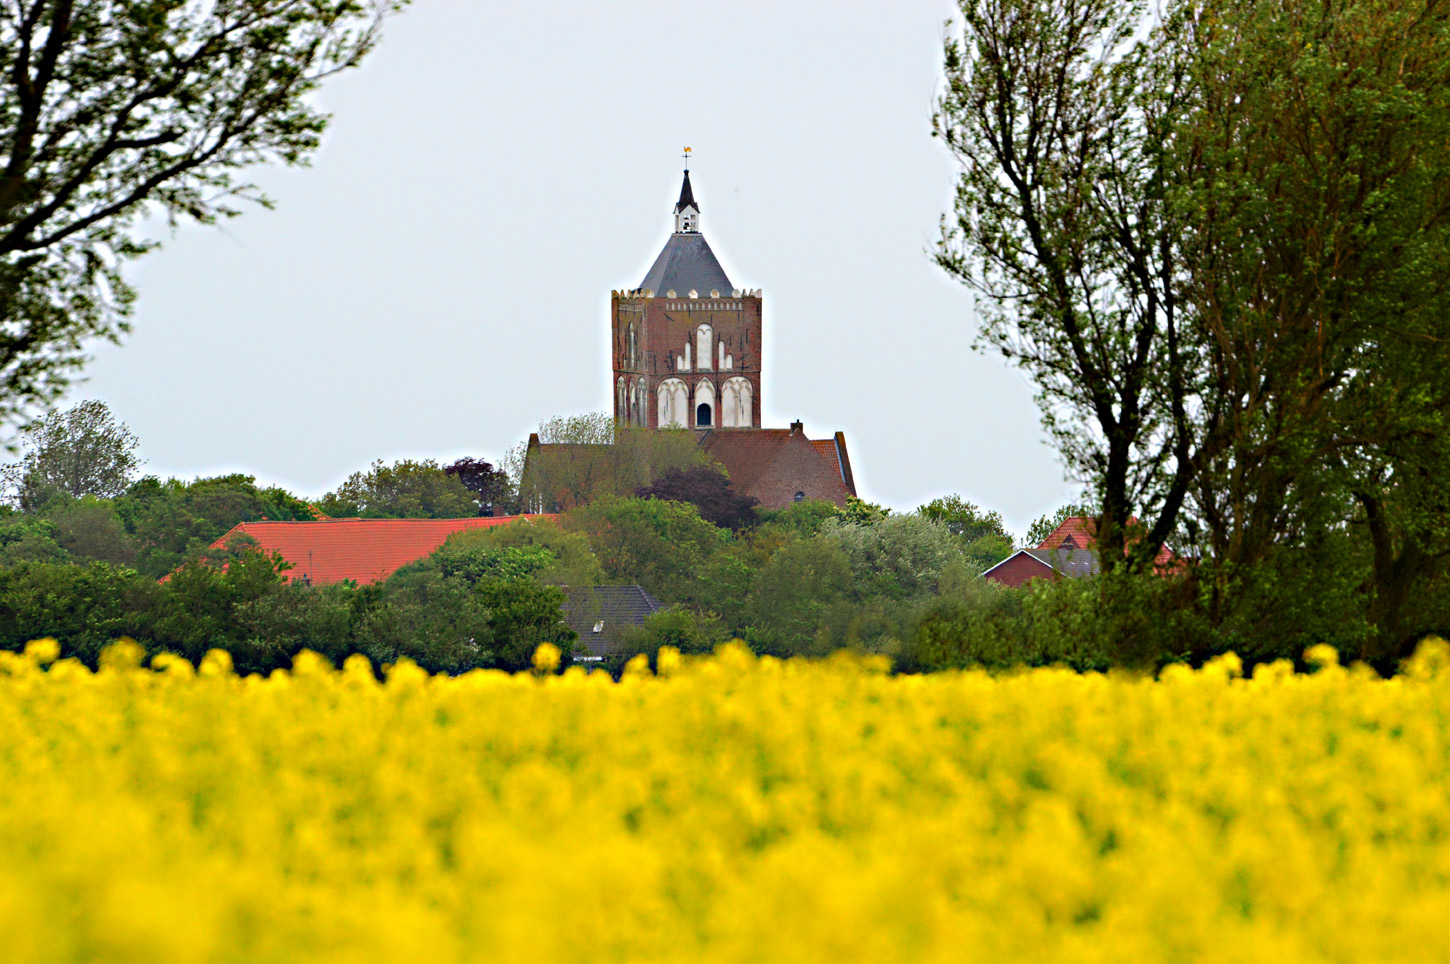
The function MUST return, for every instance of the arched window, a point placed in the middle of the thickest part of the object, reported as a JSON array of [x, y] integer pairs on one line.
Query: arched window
[[704, 404], [736, 408], [633, 356], [800, 496], [620, 405], [702, 346], [674, 400]]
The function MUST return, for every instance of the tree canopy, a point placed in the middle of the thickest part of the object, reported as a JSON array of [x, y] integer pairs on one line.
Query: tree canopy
[[1218, 241], [80, 451], [114, 109]]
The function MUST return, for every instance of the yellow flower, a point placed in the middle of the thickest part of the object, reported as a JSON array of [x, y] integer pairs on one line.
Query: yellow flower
[[546, 658]]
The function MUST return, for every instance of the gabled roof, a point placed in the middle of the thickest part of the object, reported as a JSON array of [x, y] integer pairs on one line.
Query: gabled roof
[[363, 550], [1073, 563], [1080, 532], [601, 615], [686, 264], [1023, 565], [772, 464]]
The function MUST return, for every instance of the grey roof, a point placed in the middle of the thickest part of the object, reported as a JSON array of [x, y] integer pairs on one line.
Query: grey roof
[[686, 264], [687, 196], [1073, 563], [614, 610]]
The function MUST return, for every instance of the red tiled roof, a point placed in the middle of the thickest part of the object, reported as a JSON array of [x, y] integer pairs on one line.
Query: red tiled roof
[[746, 454], [1083, 532], [773, 464], [364, 550]]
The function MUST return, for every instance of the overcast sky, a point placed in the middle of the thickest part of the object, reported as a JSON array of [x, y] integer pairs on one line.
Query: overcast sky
[[437, 283]]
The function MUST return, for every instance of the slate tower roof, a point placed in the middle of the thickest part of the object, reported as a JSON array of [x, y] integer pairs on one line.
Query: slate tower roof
[[686, 263]]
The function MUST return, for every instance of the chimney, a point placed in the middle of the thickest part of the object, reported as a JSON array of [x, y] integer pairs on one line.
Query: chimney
[[797, 428]]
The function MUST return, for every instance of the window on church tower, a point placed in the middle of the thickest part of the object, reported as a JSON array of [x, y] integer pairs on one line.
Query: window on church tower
[[702, 415], [702, 346]]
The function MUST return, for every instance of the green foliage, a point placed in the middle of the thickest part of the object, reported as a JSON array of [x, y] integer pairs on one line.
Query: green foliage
[[82, 451], [803, 587], [404, 490], [474, 563], [28, 538], [895, 556], [583, 458], [115, 110], [572, 561], [963, 519], [85, 606], [173, 521], [799, 519], [659, 545], [1046, 525]]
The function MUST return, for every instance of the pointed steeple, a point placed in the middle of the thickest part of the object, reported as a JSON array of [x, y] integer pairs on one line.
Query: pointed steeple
[[687, 196], [687, 212]]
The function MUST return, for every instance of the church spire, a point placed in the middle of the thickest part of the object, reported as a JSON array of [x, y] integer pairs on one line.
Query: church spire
[[687, 212]]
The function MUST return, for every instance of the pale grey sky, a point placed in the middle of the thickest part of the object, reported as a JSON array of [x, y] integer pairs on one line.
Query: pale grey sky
[[438, 282]]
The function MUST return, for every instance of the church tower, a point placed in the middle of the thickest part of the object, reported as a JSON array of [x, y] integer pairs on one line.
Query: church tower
[[686, 342]]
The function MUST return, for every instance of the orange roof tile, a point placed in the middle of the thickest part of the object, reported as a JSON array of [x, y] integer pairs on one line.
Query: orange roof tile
[[1082, 530], [364, 550]]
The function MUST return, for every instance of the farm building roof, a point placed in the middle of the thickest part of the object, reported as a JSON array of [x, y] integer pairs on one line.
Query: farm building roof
[[363, 550]]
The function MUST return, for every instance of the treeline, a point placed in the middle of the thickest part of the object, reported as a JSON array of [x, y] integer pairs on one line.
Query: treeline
[[806, 580]]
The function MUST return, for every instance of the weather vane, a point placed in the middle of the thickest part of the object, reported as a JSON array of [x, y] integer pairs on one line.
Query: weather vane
[[686, 156]]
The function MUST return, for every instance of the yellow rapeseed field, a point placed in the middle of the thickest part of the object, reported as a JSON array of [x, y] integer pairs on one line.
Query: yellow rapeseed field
[[731, 809]]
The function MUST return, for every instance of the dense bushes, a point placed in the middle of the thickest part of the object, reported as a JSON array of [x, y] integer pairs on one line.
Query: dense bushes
[[809, 579]]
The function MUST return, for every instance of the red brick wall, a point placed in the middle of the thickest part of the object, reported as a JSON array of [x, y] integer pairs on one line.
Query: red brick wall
[[799, 468], [663, 325], [1019, 570]]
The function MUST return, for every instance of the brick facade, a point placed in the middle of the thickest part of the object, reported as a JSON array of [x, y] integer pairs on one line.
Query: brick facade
[[1019, 570], [651, 333]]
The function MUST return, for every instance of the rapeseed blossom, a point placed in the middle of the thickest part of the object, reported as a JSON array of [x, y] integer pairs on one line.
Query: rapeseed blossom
[[730, 809]]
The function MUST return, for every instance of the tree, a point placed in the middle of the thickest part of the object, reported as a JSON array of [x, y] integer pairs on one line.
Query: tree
[[660, 545], [1219, 244], [404, 490], [78, 452], [962, 518], [1046, 525], [172, 521], [1317, 162], [582, 458], [111, 110], [1063, 222], [709, 491], [490, 486]]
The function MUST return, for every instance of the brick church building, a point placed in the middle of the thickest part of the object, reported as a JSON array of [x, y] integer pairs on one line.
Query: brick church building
[[688, 353]]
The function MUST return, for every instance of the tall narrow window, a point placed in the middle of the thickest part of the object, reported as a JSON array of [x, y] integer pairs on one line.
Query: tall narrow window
[[702, 346]]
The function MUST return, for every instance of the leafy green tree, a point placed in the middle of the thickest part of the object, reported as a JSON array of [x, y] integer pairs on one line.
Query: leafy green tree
[[708, 489], [172, 521], [28, 538], [983, 539], [898, 556], [1046, 525], [404, 490], [660, 545], [78, 452], [1217, 243], [1064, 223], [89, 529], [795, 597], [962, 518], [571, 560], [85, 607], [582, 458], [113, 110]]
